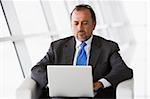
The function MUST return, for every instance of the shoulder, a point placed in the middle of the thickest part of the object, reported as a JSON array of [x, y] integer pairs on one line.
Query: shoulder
[[105, 43], [62, 41]]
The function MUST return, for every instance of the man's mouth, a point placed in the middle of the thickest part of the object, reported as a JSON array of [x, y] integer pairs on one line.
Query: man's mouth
[[81, 32]]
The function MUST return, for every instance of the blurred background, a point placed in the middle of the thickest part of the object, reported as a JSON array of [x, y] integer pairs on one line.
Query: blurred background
[[27, 27]]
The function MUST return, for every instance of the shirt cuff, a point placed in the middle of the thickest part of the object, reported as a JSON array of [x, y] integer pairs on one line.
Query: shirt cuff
[[105, 82]]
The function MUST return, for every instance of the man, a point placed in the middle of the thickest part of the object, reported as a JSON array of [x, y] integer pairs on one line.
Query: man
[[108, 67]]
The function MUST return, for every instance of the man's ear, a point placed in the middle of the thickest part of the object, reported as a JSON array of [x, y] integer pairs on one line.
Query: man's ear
[[94, 25]]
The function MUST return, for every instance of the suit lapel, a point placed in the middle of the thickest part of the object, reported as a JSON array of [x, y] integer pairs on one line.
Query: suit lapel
[[95, 51], [69, 51]]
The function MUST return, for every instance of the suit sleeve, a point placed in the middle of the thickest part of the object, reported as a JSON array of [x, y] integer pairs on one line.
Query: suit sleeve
[[120, 70], [39, 71]]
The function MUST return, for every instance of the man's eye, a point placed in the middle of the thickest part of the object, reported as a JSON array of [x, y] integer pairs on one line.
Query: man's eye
[[85, 23], [75, 23]]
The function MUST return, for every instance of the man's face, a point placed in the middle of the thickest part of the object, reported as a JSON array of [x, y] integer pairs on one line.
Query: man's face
[[82, 24]]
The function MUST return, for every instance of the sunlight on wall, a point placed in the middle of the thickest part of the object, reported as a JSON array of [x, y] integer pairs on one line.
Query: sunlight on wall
[[136, 11], [10, 74]]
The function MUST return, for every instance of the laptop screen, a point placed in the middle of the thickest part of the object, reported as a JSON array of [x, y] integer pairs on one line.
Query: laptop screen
[[70, 81]]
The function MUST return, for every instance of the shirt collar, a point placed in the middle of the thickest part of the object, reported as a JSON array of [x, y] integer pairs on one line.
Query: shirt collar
[[88, 42]]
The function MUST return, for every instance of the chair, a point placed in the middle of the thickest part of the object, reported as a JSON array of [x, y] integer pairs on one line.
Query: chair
[[125, 90], [29, 90]]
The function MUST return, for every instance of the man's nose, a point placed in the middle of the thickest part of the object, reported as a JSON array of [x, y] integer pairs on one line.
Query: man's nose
[[80, 27]]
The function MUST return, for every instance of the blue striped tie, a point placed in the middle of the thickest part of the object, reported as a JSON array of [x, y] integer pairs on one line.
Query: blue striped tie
[[82, 58]]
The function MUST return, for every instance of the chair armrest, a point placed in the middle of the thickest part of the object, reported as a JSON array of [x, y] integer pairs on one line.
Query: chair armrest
[[125, 90], [28, 89]]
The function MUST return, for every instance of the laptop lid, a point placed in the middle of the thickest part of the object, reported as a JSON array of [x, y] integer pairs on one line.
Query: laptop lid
[[70, 81]]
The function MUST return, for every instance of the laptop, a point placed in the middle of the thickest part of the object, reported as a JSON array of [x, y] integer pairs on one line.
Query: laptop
[[70, 81]]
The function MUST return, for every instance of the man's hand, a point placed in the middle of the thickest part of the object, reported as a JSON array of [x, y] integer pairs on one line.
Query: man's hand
[[98, 85]]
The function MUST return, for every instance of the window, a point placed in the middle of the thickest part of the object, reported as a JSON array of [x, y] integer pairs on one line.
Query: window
[[37, 47], [10, 72], [34, 27], [4, 32], [58, 17], [137, 15], [31, 17]]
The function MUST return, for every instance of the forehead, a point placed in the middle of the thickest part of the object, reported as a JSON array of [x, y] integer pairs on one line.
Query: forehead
[[81, 14]]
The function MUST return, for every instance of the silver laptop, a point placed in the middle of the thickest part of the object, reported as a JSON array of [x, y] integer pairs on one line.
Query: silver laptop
[[70, 81]]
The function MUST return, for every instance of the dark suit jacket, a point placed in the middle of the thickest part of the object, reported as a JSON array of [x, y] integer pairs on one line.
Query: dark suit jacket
[[104, 58]]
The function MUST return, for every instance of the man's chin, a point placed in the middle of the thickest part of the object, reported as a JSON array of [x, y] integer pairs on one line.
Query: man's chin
[[82, 39]]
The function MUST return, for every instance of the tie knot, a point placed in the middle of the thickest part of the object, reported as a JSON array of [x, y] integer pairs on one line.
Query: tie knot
[[83, 44]]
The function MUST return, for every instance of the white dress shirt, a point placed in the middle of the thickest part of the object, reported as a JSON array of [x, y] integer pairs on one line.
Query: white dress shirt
[[87, 49]]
